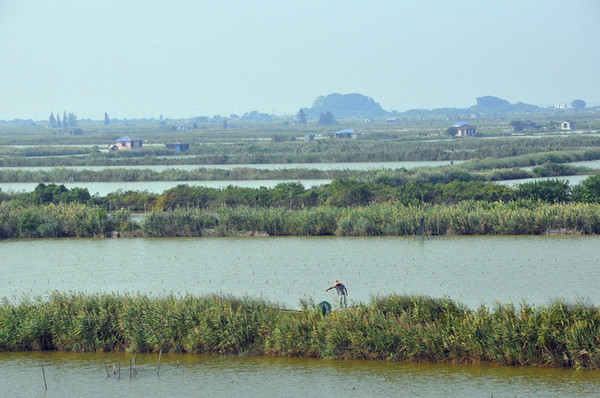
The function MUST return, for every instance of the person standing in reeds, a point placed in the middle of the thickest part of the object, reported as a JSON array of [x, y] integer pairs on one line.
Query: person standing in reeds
[[341, 291]]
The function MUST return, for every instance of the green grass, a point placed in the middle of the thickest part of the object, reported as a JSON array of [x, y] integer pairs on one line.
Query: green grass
[[412, 328]]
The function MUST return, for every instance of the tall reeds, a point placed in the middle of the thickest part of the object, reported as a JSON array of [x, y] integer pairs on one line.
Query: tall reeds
[[414, 328], [52, 221], [464, 218]]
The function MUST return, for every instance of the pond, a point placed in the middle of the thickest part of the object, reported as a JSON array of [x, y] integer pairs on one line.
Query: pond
[[85, 375], [472, 270]]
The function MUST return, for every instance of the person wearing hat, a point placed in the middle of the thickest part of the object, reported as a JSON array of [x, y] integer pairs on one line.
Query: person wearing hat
[[341, 291]]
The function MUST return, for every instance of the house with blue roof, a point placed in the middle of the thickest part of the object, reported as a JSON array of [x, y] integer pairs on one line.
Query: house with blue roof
[[128, 143], [348, 134], [464, 130]]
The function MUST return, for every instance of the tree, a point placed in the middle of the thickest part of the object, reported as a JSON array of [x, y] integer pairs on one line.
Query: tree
[[52, 120], [58, 124], [452, 131], [225, 125], [72, 120], [301, 116], [588, 191], [520, 125], [65, 121], [550, 191], [326, 119], [578, 104], [106, 119]]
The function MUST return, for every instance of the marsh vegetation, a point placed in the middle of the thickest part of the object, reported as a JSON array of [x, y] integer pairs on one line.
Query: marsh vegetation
[[414, 328]]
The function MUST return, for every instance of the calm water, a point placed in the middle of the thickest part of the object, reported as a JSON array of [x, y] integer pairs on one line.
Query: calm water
[[472, 270], [572, 180], [84, 375], [104, 188], [270, 166]]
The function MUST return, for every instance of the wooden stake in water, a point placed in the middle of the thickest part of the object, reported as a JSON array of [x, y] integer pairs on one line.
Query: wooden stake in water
[[107, 373], [44, 374], [130, 368], [158, 366]]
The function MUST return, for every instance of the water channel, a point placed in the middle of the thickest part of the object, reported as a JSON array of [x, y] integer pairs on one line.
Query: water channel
[[471, 270], [263, 166], [85, 375]]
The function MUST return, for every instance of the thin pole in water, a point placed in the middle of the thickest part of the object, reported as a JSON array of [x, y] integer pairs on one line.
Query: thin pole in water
[[107, 373], [130, 368], [119, 370], [158, 366], [44, 374]]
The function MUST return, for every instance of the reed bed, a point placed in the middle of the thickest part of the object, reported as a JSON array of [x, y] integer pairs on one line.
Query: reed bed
[[387, 219], [411, 328], [464, 218], [60, 220]]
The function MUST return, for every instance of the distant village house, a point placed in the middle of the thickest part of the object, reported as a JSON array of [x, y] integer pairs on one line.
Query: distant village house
[[127, 143], [464, 130], [567, 125], [178, 146], [348, 134]]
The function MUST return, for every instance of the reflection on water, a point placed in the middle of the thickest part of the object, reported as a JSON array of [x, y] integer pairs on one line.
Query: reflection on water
[[186, 375]]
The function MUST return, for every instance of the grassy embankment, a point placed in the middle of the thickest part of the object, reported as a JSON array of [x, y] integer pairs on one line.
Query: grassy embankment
[[465, 218], [541, 164], [332, 150], [390, 328]]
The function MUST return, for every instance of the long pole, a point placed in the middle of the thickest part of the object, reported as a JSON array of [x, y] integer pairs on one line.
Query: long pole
[[44, 374], [158, 366]]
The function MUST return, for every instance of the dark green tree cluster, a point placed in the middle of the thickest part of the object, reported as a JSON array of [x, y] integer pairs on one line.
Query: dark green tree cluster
[[327, 119], [578, 104], [343, 192], [521, 125], [52, 193]]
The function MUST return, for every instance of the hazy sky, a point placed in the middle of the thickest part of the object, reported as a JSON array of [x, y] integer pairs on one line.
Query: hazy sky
[[137, 59]]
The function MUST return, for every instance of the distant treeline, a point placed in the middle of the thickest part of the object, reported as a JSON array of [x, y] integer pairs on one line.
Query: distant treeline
[[431, 186], [399, 328], [430, 202]]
